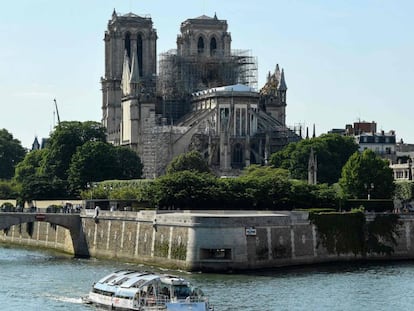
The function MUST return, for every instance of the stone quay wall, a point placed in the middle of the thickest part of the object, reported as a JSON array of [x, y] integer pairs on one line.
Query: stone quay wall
[[205, 241], [44, 235]]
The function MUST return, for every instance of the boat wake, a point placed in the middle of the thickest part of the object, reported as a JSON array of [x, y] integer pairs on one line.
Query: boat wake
[[74, 300]]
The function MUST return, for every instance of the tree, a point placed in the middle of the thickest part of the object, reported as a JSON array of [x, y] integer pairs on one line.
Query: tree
[[404, 191], [8, 189], [367, 173], [33, 182], [190, 161], [11, 153], [30, 166], [97, 161], [64, 141], [128, 163], [185, 190], [332, 151]]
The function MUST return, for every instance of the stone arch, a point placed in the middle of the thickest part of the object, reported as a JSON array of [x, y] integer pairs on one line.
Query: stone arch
[[127, 43], [140, 52], [71, 222], [237, 155], [200, 45], [213, 46]]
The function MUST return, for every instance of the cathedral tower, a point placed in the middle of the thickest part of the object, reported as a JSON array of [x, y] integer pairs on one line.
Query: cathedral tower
[[135, 37], [204, 36]]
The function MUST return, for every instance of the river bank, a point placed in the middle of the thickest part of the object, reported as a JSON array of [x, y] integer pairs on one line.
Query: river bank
[[213, 241]]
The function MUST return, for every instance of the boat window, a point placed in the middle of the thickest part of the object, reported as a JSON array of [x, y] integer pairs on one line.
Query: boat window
[[102, 292], [165, 291], [198, 292], [181, 291]]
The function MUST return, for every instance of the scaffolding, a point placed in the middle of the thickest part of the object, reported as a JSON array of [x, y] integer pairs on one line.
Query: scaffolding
[[180, 76]]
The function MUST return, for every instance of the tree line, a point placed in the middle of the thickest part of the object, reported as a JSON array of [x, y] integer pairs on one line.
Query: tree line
[[77, 156]]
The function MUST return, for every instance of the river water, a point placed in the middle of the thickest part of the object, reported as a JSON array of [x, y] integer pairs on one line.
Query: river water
[[31, 280]]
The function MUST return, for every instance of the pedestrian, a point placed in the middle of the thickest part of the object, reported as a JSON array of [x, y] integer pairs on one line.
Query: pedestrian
[[97, 209]]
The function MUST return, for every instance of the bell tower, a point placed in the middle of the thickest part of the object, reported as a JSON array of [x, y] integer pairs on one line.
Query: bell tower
[[134, 36], [204, 36]]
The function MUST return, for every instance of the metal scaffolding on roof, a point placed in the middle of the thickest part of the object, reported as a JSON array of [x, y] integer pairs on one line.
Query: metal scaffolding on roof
[[182, 75], [187, 74]]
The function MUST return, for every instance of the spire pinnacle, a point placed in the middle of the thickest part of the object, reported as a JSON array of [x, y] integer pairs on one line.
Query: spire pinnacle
[[126, 76], [134, 70], [282, 84], [277, 72]]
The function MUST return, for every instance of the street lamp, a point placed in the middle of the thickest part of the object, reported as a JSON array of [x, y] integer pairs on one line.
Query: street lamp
[[369, 189], [90, 187]]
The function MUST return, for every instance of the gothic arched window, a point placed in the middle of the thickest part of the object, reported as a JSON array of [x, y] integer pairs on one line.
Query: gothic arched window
[[139, 53], [127, 44], [213, 46], [200, 45], [238, 155]]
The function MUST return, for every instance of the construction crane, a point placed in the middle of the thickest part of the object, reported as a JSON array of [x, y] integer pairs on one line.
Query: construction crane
[[57, 111]]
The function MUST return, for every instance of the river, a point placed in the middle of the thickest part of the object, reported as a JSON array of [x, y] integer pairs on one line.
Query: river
[[32, 280]]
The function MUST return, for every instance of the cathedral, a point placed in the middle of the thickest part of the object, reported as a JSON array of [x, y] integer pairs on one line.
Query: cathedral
[[204, 97]]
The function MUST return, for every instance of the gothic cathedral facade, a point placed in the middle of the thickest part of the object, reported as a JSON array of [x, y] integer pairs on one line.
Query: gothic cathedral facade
[[203, 98]]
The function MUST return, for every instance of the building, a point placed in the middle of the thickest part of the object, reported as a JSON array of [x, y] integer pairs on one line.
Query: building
[[399, 155], [204, 98], [381, 143], [367, 137], [361, 127], [403, 170]]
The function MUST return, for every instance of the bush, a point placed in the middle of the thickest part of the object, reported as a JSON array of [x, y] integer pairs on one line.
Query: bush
[[374, 205], [7, 207], [54, 208]]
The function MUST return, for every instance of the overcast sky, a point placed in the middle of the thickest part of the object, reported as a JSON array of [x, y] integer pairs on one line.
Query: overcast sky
[[344, 61]]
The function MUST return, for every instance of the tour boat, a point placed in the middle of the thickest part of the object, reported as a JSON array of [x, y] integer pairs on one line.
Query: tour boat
[[146, 291]]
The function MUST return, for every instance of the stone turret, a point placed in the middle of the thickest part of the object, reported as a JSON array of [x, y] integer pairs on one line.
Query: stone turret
[[312, 168], [273, 95]]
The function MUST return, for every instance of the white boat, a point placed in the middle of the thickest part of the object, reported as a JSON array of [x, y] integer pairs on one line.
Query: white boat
[[146, 291]]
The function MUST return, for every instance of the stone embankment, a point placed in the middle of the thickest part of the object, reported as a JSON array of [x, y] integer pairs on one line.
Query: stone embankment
[[206, 241]]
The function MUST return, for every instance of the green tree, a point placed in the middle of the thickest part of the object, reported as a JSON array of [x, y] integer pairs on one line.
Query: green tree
[[11, 153], [8, 189], [65, 139], [366, 173], [128, 163], [33, 182], [332, 151], [190, 161], [261, 187], [29, 166], [185, 190], [404, 191], [97, 161]]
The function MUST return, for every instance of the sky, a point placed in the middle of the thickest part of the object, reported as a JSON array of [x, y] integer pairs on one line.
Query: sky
[[345, 61]]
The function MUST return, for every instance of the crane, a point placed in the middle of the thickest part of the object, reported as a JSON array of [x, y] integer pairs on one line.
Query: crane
[[57, 111]]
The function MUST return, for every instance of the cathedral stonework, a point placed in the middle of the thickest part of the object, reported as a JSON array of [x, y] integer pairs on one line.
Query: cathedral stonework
[[204, 97]]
